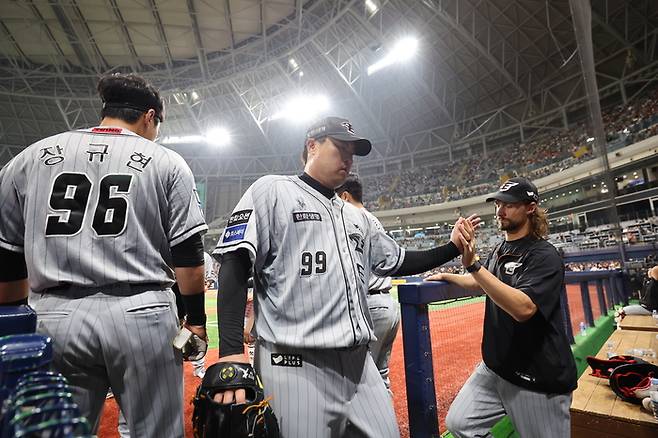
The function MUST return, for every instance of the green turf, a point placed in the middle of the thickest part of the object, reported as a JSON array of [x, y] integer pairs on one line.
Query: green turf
[[211, 324], [591, 343]]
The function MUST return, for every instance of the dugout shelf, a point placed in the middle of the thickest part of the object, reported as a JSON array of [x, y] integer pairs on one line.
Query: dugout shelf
[[597, 411], [640, 323]]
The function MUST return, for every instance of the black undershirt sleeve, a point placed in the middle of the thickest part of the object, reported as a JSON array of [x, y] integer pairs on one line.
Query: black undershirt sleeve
[[188, 253], [22, 301], [13, 265], [232, 300], [416, 262]]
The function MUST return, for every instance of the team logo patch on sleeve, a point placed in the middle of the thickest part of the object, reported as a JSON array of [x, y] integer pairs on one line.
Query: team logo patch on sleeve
[[239, 217], [233, 233], [304, 216]]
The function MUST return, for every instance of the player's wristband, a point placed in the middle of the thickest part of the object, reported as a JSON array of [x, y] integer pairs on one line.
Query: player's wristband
[[474, 267], [195, 308]]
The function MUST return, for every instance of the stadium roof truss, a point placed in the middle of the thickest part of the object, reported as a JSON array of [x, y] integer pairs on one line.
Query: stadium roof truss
[[485, 69]]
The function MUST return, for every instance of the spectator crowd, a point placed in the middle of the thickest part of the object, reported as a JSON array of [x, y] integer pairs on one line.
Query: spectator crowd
[[477, 174]]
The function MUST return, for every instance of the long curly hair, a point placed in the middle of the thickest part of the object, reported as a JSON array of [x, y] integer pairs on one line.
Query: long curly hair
[[539, 223]]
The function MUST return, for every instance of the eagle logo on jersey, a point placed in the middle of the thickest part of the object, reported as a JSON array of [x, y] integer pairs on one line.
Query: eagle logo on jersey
[[510, 267], [301, 203], [358, 242]]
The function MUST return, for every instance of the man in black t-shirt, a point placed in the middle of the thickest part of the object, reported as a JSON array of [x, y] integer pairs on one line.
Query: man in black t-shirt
[[528, 371], [648, 298]]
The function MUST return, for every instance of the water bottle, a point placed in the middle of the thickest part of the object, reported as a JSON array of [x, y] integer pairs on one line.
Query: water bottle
[[654, 403], [583, 328], [654, 313]]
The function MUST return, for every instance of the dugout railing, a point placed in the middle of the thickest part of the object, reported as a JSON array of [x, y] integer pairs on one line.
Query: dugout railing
[[611, 289]]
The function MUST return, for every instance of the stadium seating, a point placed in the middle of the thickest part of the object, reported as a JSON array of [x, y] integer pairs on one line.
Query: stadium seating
[[475, 175]]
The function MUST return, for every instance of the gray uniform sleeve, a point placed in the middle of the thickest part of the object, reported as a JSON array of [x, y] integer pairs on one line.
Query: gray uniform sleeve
[[185, 215], [248, 225], [12, 225], [386, 255]]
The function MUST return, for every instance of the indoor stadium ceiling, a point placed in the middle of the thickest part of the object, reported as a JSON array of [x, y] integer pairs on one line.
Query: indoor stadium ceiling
[[482, 68]]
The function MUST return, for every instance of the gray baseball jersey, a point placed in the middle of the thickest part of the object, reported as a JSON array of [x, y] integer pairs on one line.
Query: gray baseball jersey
[[376, 282], [312, 257], [97, 206]]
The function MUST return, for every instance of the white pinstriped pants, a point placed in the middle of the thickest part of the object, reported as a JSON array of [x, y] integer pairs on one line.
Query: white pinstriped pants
[[486, 398], [333, 394], [125, 342]]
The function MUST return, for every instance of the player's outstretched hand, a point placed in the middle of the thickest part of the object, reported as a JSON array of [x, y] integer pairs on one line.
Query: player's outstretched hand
[[229, 396], [468, 256], [464, 229], [475, 221], [454, 234], [435, 277]]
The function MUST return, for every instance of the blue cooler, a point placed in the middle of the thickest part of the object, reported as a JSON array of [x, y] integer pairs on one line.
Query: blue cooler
[[17, 319]]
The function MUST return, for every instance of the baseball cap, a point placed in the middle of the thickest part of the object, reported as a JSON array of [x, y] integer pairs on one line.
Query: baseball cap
[[340, 129], [517, 189]]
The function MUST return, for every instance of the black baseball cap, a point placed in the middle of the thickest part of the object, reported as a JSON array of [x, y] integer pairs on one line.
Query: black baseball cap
[[340, 129], [517, 189]]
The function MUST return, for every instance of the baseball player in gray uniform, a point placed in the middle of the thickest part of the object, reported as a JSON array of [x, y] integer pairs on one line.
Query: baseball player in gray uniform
[[98, 221], [312, 255], [384, 311]]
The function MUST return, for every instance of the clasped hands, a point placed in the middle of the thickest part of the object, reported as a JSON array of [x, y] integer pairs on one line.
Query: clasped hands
[[463, 236]]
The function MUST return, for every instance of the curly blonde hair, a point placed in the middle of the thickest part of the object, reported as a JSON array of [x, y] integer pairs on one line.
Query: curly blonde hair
[[539, 223]]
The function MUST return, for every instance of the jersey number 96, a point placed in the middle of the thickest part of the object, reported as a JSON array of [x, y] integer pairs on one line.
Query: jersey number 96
[[69, 197], [317, 264]]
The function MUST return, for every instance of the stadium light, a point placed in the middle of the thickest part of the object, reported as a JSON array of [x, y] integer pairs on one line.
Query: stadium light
[[218, 136], [303, 108], [372, 7], [215, 137], [402, 51], [183, 139]]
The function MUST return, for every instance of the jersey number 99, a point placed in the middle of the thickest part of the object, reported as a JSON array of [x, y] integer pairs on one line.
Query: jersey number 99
[[69, 196], [320, 262]]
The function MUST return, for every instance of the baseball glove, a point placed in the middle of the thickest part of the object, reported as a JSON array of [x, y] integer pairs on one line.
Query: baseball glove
[[252, 419], [602, 368], [633, 382]]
